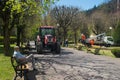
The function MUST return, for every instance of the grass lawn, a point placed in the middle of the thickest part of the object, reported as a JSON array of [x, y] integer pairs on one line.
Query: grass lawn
[[106, 51], [6, 69], [103, 52], [114, 47]]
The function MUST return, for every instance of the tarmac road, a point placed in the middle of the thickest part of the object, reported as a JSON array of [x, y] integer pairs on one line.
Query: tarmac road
[[72, 64]]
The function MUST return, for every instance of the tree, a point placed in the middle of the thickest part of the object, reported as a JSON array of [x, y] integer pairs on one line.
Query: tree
[[64, 16], [99, 22], [104, 16], [75, 25], [5, 16], [9, 8], [116, 34], [30, 19], [85, 24]]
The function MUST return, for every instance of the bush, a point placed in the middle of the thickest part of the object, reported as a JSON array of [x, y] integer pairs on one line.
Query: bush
[[97, 51], [116, 52], [1, 39], [80, 47], [71, 42], [12, 39], [116, 34]]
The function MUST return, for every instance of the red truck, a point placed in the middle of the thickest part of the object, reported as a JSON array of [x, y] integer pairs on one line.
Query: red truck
[[46, 40]]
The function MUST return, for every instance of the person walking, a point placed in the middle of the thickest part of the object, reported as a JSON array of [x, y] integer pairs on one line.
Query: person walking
[[83, 38], [92, 42], [66, 42]]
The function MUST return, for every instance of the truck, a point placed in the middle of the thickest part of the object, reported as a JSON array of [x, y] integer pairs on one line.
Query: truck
[[101, 39], [46, 40]]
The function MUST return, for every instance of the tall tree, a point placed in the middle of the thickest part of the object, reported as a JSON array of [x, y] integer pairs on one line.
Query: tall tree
[[5, 12], [10, 7], [99, 21], [64, 16], [75, 25]]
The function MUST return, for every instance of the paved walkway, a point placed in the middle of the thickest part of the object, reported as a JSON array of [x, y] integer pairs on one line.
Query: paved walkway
[[72, 64]]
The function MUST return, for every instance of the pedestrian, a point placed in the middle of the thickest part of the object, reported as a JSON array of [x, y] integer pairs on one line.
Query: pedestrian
[[66, 42], [83, 38], [92, 42], [22, 58]]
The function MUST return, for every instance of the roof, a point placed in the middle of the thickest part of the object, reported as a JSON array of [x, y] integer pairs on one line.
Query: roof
[[47, 27]]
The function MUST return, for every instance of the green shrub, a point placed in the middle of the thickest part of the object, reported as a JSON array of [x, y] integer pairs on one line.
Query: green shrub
[[71, 42], [80, 47], [116, 52], [1, 39], [97, 51], [116, 34], [12, 39]]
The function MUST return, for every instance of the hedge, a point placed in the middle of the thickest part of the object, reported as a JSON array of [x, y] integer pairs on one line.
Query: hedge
[[116, 52], [71, 42], [12, 39]]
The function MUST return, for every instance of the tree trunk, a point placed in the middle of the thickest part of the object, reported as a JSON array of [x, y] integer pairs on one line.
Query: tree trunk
[[75, 36], [59, 35], [6, 37], [18, 36], [65, 35]]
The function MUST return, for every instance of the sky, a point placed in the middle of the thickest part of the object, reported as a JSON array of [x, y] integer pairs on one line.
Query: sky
[[83, 4]]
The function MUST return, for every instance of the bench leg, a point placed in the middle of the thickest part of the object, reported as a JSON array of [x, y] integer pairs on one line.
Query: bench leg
[[18, 75], [25, 75]]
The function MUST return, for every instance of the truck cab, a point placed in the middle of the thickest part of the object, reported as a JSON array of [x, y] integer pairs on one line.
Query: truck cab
[[46, 40], [109, 40]]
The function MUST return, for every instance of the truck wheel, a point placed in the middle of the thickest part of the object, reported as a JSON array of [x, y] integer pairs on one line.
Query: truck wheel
[[107, 45], [39, 48], [58, 49]]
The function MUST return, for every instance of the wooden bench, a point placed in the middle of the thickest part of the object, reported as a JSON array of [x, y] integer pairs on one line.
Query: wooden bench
[[20, 69]]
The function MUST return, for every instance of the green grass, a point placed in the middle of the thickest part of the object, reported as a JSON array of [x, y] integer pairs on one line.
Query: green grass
[[6, 69], [104, 52], [114, 48]]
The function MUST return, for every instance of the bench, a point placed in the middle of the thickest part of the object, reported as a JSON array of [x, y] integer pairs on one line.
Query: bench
[[20, 69]]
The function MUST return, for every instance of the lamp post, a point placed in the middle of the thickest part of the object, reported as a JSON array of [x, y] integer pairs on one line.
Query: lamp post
[[58, 25], [110, 30]]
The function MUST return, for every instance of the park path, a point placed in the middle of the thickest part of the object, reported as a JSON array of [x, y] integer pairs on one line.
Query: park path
[[72, 64]]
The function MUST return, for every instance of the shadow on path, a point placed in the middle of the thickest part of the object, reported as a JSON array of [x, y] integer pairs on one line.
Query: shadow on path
[[32, 75]]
